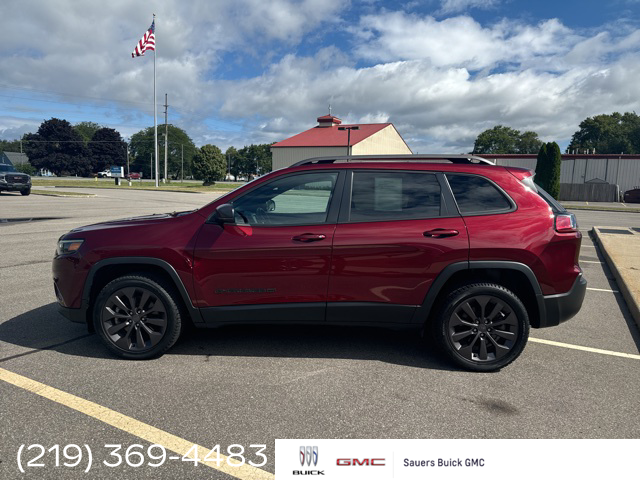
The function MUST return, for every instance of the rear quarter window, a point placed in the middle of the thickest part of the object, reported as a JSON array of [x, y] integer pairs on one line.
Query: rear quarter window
[[477, 195]]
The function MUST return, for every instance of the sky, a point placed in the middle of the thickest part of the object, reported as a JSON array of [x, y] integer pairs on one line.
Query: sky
[[239, 72]]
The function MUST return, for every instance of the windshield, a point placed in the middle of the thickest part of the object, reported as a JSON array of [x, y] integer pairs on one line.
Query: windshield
[[7, 168]]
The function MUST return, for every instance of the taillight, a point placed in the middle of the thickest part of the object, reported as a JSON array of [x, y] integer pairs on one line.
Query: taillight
[[566, 223]]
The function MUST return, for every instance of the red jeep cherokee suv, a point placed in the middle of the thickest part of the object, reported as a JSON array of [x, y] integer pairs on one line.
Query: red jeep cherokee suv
[[474, 252]]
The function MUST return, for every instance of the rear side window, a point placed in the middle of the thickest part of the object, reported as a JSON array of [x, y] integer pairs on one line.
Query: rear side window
[[477, 195], [394, 196]]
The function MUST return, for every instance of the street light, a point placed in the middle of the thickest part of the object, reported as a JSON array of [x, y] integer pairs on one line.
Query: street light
[[348, 129]]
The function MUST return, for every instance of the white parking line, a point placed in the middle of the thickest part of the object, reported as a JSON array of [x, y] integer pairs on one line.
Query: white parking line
[[590, 261], [602, 290], [585, 349]]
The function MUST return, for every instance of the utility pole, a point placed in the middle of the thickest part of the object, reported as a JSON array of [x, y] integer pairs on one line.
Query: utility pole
[[166, 137], [151, 155], [182, 164]]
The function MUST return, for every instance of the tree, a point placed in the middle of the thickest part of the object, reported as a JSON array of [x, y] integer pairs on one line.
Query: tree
[[25, 167], [86, 130], [529, 142], [10, 146], [209, 164], [107, 148], [501, 139], [616, 133], [252, 161], [141, 149], [548, 168], [58, 148]]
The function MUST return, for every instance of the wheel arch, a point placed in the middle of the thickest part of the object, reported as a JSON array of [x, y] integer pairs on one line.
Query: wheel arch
[[106, 270], [517, 277]]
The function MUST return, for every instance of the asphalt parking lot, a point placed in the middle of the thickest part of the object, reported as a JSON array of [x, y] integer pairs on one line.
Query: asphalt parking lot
[[251, 385]]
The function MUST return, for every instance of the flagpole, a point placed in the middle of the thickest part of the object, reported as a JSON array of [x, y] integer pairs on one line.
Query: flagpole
[[155, 108]]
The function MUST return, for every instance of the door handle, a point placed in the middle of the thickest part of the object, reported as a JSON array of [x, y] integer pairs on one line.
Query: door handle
[[441, 233], [309, 237]]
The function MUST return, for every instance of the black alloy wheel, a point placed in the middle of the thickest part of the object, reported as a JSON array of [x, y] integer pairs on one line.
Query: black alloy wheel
[[137, 317], [483, 327], [26, 191]]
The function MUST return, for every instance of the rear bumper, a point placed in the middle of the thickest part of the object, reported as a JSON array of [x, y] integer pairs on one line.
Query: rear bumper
[[77, 315], [560, 308]]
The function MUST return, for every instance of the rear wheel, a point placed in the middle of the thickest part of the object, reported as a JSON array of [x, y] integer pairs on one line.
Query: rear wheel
[[137, 317], [482, 327]]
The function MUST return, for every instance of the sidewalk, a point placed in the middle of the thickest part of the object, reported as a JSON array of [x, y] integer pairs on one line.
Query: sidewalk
[[621, 249]]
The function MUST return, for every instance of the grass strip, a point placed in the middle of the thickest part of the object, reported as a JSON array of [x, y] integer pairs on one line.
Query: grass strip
[[602, 209]]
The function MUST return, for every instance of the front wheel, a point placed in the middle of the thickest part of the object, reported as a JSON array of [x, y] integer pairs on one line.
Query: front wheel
[[137, 317], [26, 191], [482, 327]]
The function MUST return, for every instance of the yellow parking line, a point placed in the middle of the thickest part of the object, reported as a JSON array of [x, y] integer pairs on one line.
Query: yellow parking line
[[135, 427], [585, 349]]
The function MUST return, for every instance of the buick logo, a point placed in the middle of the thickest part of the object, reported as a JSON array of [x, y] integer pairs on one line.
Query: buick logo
[[308, 455]]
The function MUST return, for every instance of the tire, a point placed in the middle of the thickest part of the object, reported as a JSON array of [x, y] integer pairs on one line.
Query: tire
[[482, 327], [138, 316], [26, 191]]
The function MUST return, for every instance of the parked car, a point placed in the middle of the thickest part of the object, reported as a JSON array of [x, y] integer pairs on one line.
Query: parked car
[[133, 176], [13, 181], [632, 196], [104, 173], [471, 253]]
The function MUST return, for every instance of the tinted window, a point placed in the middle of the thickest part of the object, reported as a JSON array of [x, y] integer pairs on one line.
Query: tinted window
[[394, 196], [295, 199], [477, 194]]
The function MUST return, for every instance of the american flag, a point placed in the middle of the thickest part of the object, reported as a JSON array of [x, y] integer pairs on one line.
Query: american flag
[[147, 42]]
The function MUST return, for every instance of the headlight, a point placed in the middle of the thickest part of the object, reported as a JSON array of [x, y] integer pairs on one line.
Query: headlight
[[2, 179], [68, 246]]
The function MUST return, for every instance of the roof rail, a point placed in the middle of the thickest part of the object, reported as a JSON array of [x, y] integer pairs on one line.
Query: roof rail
[[396, 158]]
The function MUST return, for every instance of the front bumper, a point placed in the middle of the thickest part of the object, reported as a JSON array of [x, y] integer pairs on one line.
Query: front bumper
[[14, 187], [560, 308]]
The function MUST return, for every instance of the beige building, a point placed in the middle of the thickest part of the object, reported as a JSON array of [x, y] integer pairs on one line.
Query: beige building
[[330, 138]]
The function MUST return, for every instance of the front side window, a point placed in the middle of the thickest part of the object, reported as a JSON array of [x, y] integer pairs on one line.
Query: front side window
[[477, 195], [293, 200], [389, 195]]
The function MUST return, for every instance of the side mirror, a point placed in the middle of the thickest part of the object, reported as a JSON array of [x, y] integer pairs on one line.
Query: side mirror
[[225, 213]]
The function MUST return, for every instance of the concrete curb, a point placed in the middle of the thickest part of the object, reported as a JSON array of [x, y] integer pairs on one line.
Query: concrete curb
[[633, 301]]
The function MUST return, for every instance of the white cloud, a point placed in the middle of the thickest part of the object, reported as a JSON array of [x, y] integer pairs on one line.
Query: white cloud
[[456, 6], [441, 82]]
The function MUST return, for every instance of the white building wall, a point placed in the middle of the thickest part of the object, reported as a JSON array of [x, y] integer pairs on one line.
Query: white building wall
[[384, 142], [283, 157]]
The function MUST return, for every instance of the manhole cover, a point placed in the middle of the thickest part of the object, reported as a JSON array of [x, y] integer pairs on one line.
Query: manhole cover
[[615, 231]]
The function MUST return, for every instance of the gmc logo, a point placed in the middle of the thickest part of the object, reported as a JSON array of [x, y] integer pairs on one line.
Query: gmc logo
[[370, 462]]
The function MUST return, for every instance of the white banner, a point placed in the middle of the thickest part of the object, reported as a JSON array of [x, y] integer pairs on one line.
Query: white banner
[[456, 459]]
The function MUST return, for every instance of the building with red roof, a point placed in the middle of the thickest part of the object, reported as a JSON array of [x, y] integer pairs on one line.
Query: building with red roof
[[330, 137]]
